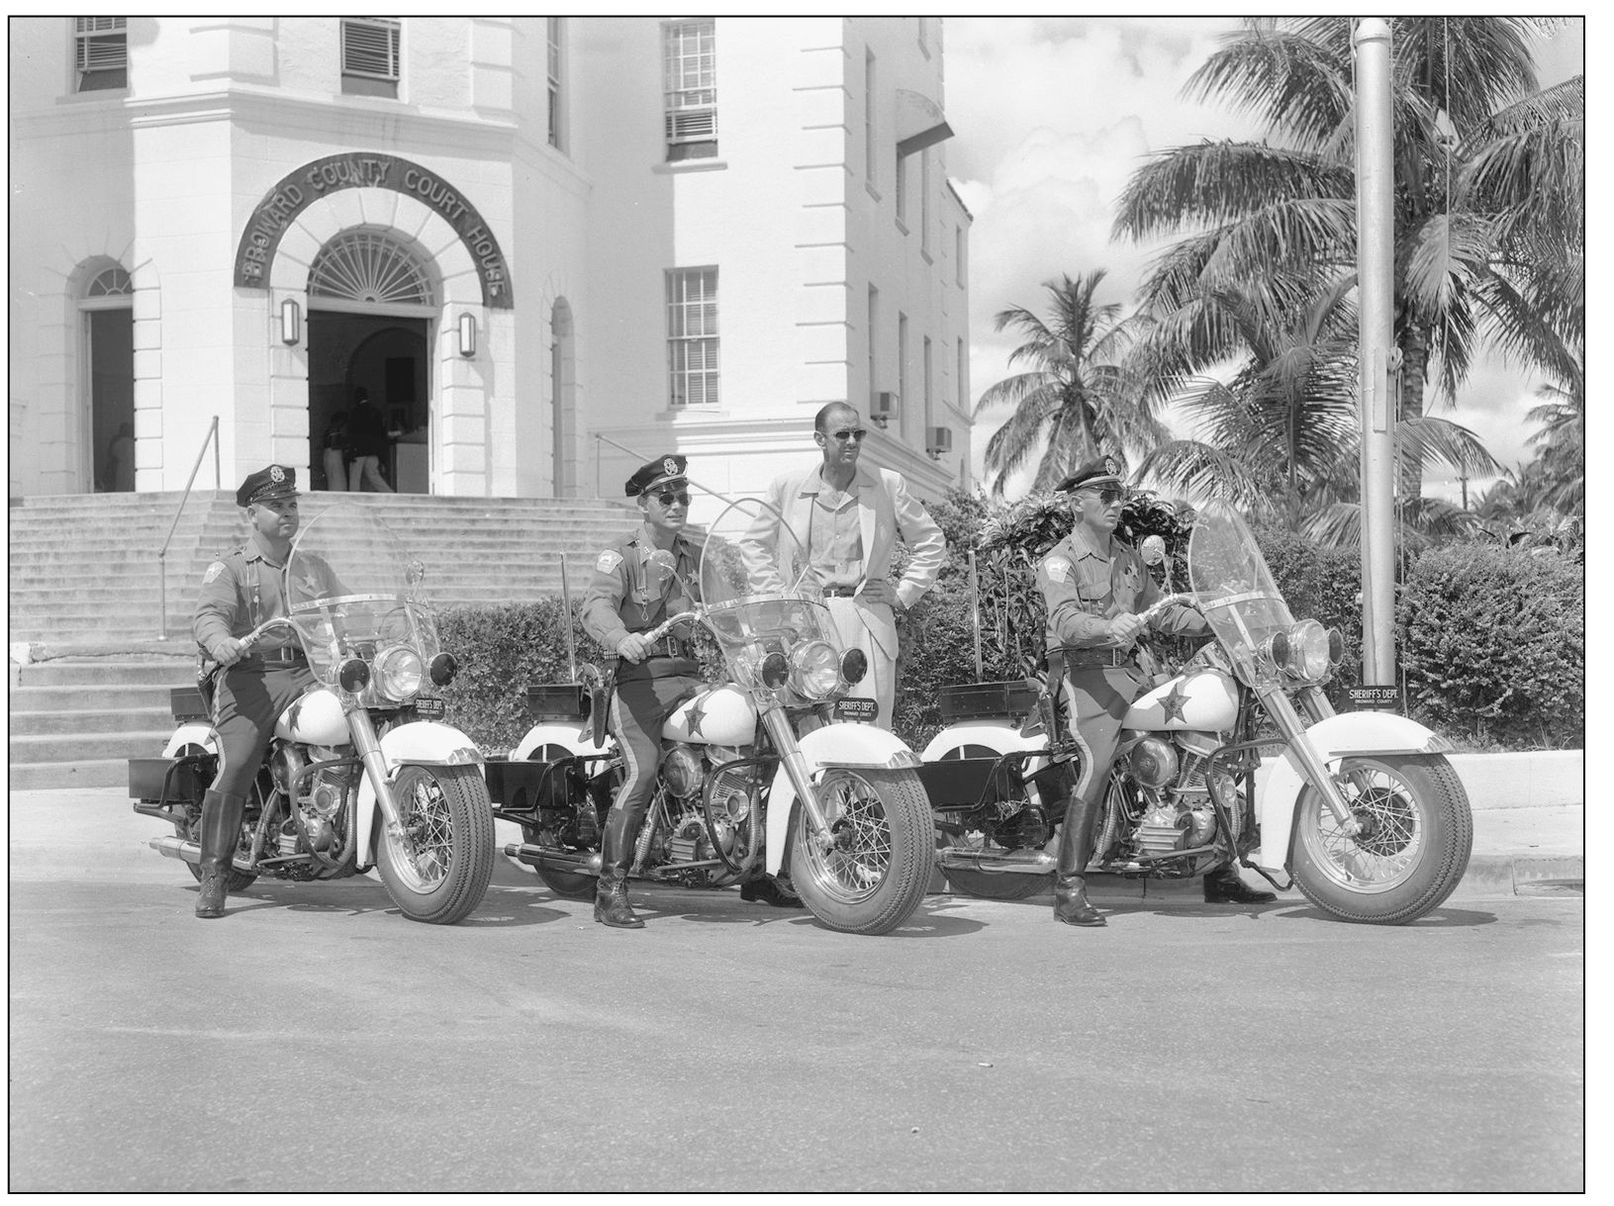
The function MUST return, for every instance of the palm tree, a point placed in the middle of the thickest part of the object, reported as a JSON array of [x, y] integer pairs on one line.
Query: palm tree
[[1075, 401], [1281, 432], [1469, 260]]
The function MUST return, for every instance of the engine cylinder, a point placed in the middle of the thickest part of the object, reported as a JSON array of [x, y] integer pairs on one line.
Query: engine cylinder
[[683, 770], [1154, 762]]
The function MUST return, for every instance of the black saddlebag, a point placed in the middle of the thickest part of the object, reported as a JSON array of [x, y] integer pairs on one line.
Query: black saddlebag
[[171, 780], [558, 701], [987, 701], [523, 788], [965, 782], [187, 704]]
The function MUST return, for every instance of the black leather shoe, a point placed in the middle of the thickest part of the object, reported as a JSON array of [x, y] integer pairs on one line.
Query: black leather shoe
[[1223, 886], [1070, 903], [769, 891], [611, 905]]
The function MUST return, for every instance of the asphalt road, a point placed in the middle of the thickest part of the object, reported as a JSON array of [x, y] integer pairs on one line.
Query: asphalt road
[[315, 1040]]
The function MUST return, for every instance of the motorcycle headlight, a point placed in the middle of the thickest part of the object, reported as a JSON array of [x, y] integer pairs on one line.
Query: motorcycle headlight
[[815, 669], [1309, 651], [399, 673]]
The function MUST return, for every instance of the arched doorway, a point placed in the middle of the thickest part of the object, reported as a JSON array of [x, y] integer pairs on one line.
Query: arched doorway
[[108, 449], [372, 304]]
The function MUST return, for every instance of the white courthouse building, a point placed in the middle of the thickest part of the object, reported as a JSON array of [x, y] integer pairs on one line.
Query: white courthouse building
[[548, 248]]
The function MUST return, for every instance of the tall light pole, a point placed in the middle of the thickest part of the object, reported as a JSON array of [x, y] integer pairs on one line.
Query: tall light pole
[[1379, 359]]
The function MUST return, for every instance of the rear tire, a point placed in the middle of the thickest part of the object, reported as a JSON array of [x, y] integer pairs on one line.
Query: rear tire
[[876, 873], [449, 816], [239, 880], [1415, 847], [990, 885]]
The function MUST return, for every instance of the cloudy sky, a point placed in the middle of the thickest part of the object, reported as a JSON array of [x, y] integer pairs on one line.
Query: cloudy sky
[[1051, 117]]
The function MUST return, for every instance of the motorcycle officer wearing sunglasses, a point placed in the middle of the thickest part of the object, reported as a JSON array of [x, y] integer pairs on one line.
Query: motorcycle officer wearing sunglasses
[[1095, 586], [629, 595]]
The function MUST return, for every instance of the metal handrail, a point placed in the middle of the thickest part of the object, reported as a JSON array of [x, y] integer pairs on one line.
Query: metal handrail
[[212, 437]]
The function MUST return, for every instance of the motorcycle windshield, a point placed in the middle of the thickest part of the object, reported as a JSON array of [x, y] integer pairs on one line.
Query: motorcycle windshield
[[353, 591], [1231, 582], [755, 582]]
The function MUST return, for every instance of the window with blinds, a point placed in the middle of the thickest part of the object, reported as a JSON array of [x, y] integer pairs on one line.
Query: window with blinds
[[689, 58], [692, 337], [100, 53], [370, 55]]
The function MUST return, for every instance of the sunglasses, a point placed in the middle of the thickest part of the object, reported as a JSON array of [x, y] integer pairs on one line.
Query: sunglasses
[[667, 497], [1107, 495], [856, 433]]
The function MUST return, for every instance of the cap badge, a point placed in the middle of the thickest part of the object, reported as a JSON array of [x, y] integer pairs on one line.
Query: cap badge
[[1112, 466], [276, 474], [669, 466]]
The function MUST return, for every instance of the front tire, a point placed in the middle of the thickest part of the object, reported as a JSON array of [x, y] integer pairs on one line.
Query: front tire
[[875, 873], [1413, 849], [449, 816]]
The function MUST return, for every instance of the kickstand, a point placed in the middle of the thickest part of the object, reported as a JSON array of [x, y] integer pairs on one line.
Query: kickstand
[[1265, 876]]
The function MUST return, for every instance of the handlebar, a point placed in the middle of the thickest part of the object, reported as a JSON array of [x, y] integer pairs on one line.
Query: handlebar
[[1149, 613], [662, 629], [262, 630]]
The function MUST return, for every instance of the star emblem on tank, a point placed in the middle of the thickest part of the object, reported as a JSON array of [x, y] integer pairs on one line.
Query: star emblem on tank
[[696, 717], [1171, 704]]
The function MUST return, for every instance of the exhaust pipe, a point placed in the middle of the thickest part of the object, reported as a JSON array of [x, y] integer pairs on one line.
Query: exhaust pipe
[[1034, 862], [173, 847], [553, 860]]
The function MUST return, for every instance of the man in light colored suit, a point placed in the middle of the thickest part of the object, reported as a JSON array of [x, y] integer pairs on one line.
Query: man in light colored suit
[[846, 520]]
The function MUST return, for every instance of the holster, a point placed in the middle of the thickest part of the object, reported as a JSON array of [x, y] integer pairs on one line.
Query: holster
[[207, 679], [1048, 700], [600, 687]]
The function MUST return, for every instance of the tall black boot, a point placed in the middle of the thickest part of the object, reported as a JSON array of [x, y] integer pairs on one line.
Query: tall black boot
[[1223, 886], [611, 905], [1075, 848], [220, 831]]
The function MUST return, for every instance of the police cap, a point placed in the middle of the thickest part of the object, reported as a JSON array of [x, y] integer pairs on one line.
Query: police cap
[[277, 481], [663, 471], [1102, 471]]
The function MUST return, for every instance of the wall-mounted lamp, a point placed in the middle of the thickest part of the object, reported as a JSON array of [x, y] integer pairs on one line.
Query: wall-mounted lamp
[[291, 321], [467, 334]]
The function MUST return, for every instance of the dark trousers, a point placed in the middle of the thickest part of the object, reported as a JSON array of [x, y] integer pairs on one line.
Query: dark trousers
[[248, 702], [639, 708]]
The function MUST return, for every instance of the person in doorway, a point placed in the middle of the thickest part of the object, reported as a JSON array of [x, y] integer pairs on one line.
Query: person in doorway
[[251, 690], [120, 470], [1094, 586], [367, 440], [334, 453], [630, 594], [847, 519]]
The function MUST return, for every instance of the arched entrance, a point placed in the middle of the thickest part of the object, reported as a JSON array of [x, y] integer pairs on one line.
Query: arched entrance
[[108, 451], [372, 304]]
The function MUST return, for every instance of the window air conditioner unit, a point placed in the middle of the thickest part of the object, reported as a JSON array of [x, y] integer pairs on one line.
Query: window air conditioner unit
[[938, 440], [882, 406]]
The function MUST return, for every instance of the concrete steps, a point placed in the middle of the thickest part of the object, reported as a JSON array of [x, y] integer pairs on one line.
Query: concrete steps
[[93, 660]]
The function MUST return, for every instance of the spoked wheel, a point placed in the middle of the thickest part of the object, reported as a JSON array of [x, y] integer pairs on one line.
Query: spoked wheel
[[874, 872], [449, 818], [1411, 847]]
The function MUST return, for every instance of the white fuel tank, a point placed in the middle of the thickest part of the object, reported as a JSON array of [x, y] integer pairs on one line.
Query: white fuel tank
[[1204, 700], [315, 719], [721, 716]]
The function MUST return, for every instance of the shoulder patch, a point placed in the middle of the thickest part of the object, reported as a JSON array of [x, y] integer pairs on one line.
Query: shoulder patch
[[608, 561], [213, 571], [1058, 568]]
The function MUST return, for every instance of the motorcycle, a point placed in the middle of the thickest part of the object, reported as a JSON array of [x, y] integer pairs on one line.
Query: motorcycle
[[1362, 810], [361, 772], [760, 780]]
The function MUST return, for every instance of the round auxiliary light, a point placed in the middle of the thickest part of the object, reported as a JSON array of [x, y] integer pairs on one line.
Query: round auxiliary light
[[354, 675], [1276, 650], [775, 670], [444, 668], [854, 665]]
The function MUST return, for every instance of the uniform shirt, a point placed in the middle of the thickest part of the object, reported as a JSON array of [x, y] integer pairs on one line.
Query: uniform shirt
[[630, 594], [834, 536], [240, 591], [1086, 584]]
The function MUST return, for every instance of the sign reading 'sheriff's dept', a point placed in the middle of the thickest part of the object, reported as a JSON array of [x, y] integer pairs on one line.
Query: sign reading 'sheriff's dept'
[[360, 169], [1374, 697]]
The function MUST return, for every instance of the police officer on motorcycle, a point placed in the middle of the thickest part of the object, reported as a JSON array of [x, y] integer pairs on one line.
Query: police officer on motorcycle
[[251, 689], [1094, 586], [632, 591]]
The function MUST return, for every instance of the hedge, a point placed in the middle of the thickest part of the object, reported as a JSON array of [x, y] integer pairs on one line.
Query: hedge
[[1491, 640]]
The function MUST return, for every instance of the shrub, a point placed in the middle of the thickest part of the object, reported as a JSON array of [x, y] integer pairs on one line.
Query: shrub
[[1493, 645]]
